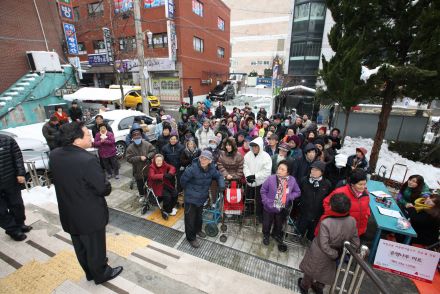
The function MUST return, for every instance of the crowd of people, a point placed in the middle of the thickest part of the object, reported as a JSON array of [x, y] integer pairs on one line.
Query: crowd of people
[[286, 165]]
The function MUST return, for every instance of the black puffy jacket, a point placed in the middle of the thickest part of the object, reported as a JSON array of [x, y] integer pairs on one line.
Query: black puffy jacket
[[172, 154], [11, 161], [311, 207]]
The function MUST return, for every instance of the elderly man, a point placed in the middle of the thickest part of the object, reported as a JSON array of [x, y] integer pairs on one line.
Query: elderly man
[[139, 154], [196, 181], [81, 186], [12, 173], [204, 134]]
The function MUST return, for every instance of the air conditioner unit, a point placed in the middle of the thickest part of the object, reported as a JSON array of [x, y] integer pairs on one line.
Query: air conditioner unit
[[44, 61]]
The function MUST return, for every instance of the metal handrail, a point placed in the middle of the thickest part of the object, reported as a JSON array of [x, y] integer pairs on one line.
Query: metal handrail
[[361, 269]]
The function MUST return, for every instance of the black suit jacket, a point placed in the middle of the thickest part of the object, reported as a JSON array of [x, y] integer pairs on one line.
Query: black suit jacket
[[80, 185]]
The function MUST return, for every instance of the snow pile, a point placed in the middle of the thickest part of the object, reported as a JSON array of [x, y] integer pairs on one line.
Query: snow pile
[[367, 73], [40, 195], [387, 158]]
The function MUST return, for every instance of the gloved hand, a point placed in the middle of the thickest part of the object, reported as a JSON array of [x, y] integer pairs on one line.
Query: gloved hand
[[168, 176], [250, 179]]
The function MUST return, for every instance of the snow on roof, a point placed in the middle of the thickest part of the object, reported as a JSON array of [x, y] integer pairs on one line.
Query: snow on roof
[[120, 113], [96, 94], [299, 87]]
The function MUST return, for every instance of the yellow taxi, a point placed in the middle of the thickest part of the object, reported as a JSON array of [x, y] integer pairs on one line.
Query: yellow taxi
[[133, 98]]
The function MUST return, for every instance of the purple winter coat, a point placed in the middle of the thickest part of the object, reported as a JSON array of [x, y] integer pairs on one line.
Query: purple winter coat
[[269, 190], [106, 148]]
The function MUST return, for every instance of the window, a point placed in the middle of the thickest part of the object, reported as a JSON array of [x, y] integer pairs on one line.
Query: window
[[266, 62], [253, 63], [197, 7], [81, 48], [220, 24], [99, 46], [127, 44], [159, 40], [220, 52], [76, 13], [198, 44], [126, 123], [96, 9], [259, 62], [317, 11], [301, 12]]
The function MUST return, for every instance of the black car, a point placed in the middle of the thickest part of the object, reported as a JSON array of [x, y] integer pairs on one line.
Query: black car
[[223, 92]]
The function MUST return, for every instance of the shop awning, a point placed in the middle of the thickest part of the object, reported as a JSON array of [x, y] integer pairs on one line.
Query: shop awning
[[95, 94]]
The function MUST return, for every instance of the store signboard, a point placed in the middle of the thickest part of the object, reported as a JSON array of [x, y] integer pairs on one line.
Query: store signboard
[[70, 33], [172, 40], [108, 44]]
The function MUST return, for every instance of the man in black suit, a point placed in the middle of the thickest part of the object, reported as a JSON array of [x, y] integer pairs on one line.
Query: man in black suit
[[81, 186]]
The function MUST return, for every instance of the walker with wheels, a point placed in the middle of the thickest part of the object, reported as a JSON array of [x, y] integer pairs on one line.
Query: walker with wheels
[[233, 207], [212, 216], [150, 198]]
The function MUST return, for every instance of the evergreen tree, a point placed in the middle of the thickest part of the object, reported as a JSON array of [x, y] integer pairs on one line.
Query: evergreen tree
[[341, 74], [404, 71]]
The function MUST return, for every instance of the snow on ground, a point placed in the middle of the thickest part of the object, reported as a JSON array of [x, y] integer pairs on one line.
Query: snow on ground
[[40, 195], [387, 158]]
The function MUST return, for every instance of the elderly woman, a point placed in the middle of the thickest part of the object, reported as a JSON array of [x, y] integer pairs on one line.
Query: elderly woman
[[230, 162], [277, 195], [161, 180], [356, 191], [105, 142]]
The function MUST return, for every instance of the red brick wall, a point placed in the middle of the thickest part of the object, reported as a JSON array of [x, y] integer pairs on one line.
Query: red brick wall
[[20, 31], [198, 66]]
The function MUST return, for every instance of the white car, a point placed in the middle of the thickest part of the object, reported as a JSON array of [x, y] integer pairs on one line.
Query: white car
[[121, 121]]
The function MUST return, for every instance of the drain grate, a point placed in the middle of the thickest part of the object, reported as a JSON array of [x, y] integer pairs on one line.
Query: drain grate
[[145, 228], [244, 263]]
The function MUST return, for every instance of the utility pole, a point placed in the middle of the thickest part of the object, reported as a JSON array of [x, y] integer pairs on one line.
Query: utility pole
[[140, 55]]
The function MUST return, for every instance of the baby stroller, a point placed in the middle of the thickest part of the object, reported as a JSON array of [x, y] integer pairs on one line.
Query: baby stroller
[[149, 199], [233, 207]]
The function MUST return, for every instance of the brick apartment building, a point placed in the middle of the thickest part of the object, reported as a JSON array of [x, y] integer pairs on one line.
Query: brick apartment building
[[202, 30], [21, 31]]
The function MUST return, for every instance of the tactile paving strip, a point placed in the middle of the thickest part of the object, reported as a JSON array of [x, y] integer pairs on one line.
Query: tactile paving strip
[[145, 228]]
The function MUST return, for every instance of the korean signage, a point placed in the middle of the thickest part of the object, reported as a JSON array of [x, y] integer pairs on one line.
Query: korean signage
[[68, 2], [123, 6], [169, 9], [153, 64], [66, 11], [69, 32], [153, 3], [98, 59], [405, 260], [172, 40], [108, 44]]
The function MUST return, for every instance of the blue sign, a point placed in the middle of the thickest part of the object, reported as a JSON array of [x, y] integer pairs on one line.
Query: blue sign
[[66, 11], [123, 5], [264, 81], [153, 3], [98, 59], [69, 32], [169, 11]]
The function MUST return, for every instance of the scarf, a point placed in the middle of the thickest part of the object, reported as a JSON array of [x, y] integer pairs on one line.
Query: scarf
[[315, 181], [281, 195], [420, 205]]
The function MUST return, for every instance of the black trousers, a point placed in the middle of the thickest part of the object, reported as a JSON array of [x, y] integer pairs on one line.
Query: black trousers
[[254, 193], [169, 199], [141, 187], [111, 165], [277, 219], [306, 227], [11, 208], [193, 220], [91, 252]]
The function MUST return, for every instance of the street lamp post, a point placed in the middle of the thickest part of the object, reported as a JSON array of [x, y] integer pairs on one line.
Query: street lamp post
[[143, 72]]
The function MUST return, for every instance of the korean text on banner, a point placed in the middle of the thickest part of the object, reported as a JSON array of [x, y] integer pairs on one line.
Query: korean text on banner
[[69, 32], [108, 44], [407, 261], [153, 3], [172, 40], [66, 11], [169, 9]]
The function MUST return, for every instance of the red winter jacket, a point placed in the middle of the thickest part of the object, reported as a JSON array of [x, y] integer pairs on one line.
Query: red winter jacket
[[156, 179], [360, 207]]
